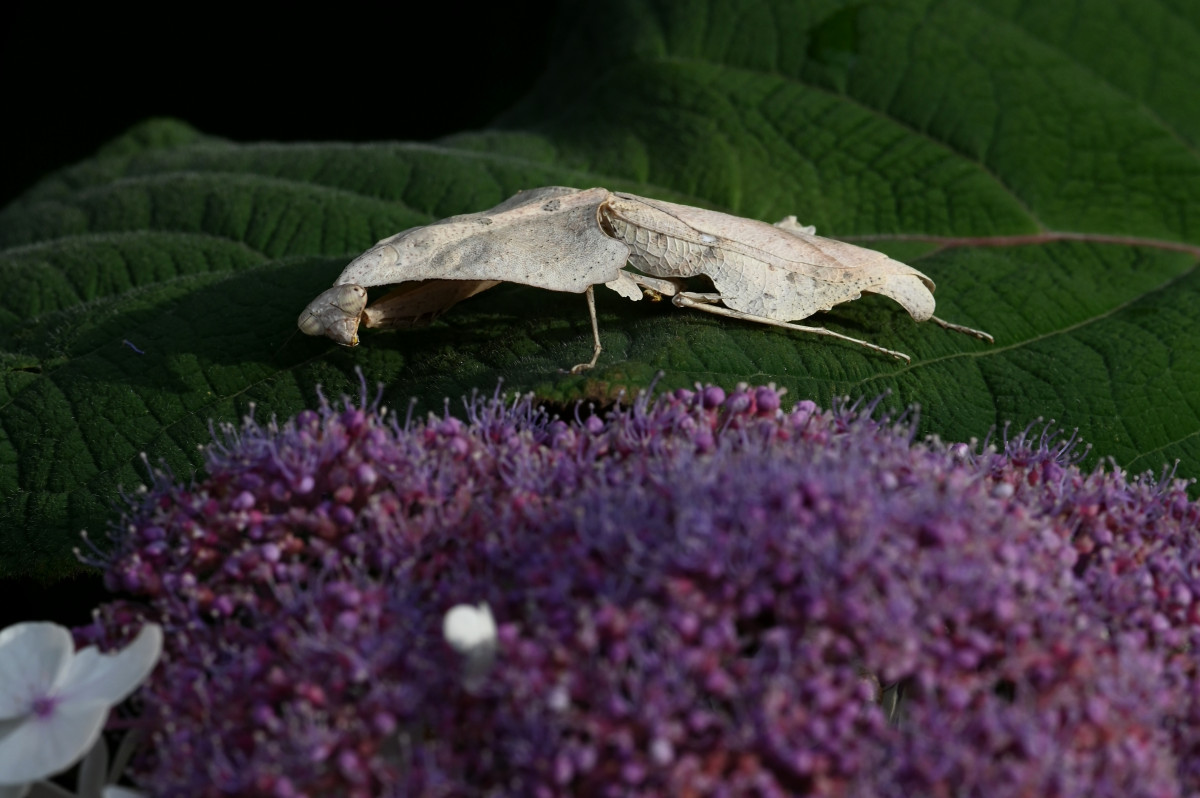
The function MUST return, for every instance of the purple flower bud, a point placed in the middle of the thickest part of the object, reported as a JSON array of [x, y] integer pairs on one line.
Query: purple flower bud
[[767, 400]]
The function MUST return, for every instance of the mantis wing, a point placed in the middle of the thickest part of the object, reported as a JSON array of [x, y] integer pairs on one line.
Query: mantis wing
[[547, 237], [782, 273]]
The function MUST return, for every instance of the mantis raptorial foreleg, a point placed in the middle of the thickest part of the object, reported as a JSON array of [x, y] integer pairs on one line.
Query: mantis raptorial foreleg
[[657, 285], [705, 302], [418, 304]]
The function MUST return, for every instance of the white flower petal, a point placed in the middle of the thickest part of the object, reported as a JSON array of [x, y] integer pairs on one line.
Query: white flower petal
[[93, 678], [48, 789], [471, 631], [89, 781], [122, 792], [33, 657], [120, 760], [466, 627], [36, 747]]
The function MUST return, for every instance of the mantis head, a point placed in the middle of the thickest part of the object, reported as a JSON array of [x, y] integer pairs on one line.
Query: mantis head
[[335, 313]]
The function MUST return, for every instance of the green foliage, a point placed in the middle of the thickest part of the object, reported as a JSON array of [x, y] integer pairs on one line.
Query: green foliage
[[1038, 161]]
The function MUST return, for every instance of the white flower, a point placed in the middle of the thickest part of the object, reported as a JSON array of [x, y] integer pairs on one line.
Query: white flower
[[467, 628], [471, 631], [54, 700]]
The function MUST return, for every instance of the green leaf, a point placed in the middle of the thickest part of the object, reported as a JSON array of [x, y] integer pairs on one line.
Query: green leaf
[[1039, 161]]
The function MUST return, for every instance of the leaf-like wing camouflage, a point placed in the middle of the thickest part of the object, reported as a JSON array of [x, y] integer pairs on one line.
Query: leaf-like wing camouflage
[[545, 237], [766, 270]]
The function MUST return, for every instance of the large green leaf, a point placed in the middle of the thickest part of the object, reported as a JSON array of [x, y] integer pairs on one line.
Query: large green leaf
[[1037, 160]]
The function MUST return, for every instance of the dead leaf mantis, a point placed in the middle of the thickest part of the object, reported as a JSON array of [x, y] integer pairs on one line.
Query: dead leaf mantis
[[567, 239]]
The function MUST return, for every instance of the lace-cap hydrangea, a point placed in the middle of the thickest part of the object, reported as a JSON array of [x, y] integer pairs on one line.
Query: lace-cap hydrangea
[[54, 699], [697, 594]]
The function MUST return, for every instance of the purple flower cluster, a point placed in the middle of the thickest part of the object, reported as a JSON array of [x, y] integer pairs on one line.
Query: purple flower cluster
[[696, 595]]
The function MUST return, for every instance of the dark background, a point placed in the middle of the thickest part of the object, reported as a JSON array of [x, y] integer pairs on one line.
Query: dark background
[[75, 78]]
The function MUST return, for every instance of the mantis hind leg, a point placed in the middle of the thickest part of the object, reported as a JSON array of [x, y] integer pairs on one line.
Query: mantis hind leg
[[704, 302], [959, 328]]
